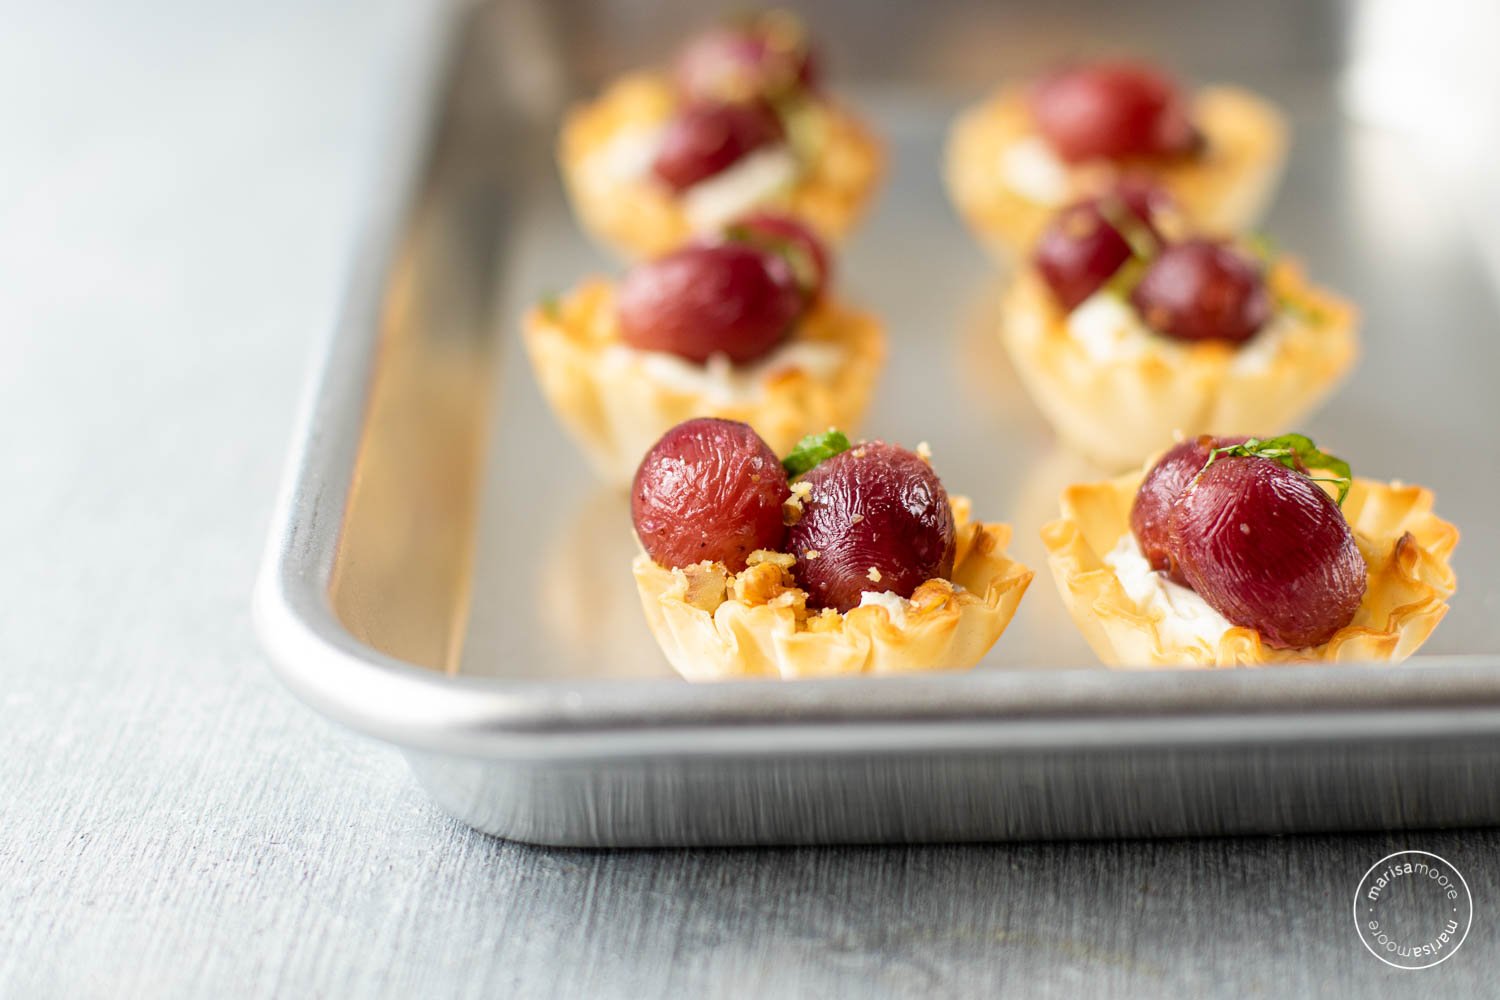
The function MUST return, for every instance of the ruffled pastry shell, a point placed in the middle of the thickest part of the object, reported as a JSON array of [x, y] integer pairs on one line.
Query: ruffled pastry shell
[[1223, 189], [715, 625], [841, 163], [1405, 545], [617, 410], [1116, 411]]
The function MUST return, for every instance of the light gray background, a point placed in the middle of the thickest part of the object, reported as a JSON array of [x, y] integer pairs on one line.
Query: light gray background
[[179, 191]]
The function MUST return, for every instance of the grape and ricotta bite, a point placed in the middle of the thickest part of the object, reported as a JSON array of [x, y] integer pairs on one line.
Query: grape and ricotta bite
[[1242, 551], [739, 124], [743, 327], [1018, 157], [1126, 330], [837, 560]]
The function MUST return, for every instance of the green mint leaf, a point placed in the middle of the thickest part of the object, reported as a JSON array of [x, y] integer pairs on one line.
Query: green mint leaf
[[1136, 234], [813, 449], [1262, 247], [798, 257], [1123, 281], [806, 127], [1298, 453], [1307, 313], [551, 306], [1143, 245]]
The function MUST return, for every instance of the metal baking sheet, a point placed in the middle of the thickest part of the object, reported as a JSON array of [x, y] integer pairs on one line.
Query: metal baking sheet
[[446, 575]]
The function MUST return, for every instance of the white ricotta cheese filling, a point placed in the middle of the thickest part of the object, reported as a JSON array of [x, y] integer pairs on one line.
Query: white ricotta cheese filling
[[1184, 615], [626, 157], [721, 381], [715, 201], [1109, 329], [895, 605], [1030, 168]]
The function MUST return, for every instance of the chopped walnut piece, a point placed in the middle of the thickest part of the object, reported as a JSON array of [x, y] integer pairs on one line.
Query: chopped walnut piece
[[792, 507], [783, 559]]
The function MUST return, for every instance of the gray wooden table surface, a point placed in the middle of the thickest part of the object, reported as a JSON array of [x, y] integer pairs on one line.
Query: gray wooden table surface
[[179, 186]]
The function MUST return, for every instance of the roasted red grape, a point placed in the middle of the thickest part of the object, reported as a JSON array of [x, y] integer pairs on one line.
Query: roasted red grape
[[708, 490], [1203, 290], [792, 239], [739, 62], [1082, 247], [1269, 550], [729, 298], [1112, 110], [1161, 487], [707, 138], [877, 519]]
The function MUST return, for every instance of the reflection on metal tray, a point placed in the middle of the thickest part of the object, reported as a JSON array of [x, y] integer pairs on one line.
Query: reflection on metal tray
[[445, 575]]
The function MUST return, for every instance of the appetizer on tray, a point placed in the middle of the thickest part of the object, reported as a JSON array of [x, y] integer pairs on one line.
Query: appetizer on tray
[[1238, 550], [839, 560], [1126, 329], [742, 326], [1015, 159], [741, 124]]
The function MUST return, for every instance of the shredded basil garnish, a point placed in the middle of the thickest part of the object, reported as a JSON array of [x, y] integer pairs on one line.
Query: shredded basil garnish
[[1137, 235], [798, 257], [1295, 451]]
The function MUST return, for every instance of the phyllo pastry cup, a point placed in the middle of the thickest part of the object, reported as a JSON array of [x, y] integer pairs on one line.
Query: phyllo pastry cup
[[616, 401], [1406, 548], [1222, 188], [605, 152], [1116, 404], [717, 625]]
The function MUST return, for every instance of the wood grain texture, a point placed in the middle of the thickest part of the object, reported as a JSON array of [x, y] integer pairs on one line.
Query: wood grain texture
[[173, 824]]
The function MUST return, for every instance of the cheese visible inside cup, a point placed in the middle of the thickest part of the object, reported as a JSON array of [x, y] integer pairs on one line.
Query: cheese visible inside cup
[[755, 179], [1184, 616], [627, 156], [1108, 328], [895, 605], [722, 382], [1030, 168]]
